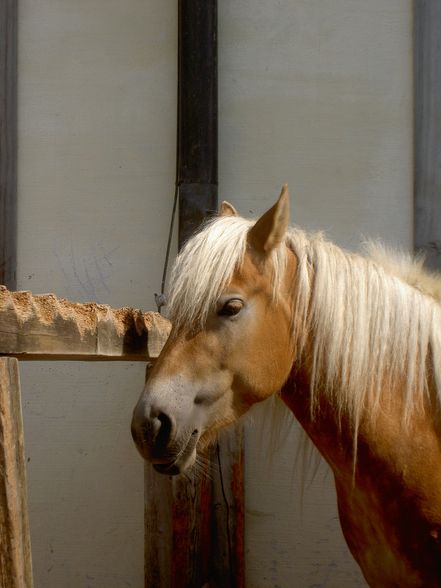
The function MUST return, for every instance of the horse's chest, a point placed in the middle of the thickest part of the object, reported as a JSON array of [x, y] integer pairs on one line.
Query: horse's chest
[[394, 536], [390, 512]]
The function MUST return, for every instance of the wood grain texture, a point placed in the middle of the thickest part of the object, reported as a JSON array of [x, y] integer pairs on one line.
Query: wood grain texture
[[15, 545], [428, 130], [46, 327], [197, 167], [228, 565], [158, 492], [8, 142], [194, 525]]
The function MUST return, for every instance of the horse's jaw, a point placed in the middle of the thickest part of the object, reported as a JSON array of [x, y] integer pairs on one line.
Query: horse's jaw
[[184, 460]]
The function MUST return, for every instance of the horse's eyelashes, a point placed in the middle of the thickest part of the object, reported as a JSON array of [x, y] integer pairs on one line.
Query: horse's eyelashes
[[231, 307]]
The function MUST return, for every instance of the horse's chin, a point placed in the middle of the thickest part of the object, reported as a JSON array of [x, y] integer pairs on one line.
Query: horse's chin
[[184, 460]]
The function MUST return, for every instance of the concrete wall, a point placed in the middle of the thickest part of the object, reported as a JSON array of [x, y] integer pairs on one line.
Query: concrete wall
[[315, 93]]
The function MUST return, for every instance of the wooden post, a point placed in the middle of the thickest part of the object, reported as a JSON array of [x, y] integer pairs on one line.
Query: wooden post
[[228, 567], [15, 545], [8, 142], [197, 113], [428, 130], [194, 525]]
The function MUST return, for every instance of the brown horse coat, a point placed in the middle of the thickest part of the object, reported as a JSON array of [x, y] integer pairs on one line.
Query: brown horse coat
[[354, 345]]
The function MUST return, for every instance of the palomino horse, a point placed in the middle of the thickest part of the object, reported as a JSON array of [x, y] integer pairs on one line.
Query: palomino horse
[[353, 345]]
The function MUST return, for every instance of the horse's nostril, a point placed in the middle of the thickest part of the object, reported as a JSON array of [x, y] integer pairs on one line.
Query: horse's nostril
[[154, 432], [163, 429]]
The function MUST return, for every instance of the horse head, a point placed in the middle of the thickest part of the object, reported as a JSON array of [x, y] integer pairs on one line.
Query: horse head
[[231, 341]]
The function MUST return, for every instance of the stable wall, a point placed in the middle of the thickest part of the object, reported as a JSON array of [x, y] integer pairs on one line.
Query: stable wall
[[317, 94], [97, 103]]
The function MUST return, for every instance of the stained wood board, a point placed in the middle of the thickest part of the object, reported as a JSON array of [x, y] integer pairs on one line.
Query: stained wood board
[[38, 327], [15, 545], [194, 524]]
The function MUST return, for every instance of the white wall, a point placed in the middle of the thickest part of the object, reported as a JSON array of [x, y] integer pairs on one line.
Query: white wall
[[315, 93], [97, 105]]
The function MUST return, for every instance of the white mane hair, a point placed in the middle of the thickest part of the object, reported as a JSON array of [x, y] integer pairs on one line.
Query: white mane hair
[[371, 320]]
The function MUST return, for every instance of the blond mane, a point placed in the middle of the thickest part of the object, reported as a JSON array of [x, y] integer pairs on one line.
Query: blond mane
[[373, 319]]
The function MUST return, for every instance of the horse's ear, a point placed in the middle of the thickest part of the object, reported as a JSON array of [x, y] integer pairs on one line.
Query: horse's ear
[[227, 209], [269, 231]]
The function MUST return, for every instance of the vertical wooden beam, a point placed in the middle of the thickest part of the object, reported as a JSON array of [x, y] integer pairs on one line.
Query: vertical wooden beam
[[15, 546], [158, 529], [197, 113], [195, 524], [427, 65], [8, 142], [228, 530]]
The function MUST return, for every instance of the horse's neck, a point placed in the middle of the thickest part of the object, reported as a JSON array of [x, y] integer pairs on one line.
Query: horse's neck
[[390, 506], [385, 437], [330, 435]]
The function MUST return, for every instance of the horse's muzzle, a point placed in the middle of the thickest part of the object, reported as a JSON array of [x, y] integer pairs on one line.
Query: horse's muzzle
[[153, 434]]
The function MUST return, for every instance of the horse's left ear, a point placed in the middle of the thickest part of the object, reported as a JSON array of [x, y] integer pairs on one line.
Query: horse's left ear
[[227, 209], [269, 231]]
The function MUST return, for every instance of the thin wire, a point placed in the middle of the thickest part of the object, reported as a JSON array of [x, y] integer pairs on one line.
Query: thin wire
[[227, 508], [160, 300], [170, 235]]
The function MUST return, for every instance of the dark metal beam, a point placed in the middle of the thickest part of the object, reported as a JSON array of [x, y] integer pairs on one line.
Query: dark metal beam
[[428, 130], [197, 113], [8, 143]]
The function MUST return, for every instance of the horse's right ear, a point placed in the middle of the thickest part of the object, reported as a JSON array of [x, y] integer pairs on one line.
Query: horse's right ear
[[227, 209], [269, 231]]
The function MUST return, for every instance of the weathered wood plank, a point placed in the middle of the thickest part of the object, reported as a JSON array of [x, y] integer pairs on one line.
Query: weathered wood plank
[[197, 113], [194, 525], [158, 529], [228, 567], [47, 327], [428, 130], [192, 547], [8, 142], [15, 545]]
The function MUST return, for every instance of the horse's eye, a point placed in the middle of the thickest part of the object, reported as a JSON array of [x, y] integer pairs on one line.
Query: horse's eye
[[231, 307]]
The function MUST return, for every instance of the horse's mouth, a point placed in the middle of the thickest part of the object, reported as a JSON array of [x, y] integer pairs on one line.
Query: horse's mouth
[[181, 461]]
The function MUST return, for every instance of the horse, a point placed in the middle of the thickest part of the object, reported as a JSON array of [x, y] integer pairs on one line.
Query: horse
[[350, 342]]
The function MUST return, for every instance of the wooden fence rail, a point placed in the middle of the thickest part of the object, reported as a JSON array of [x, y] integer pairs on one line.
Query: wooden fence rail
[[46, 327]]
